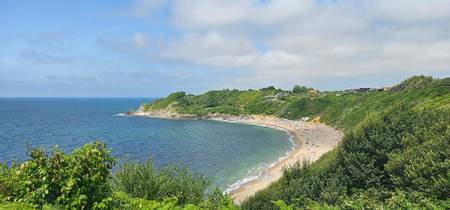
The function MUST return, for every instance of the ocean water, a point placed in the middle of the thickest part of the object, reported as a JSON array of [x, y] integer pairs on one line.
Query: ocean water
[[225, 152]]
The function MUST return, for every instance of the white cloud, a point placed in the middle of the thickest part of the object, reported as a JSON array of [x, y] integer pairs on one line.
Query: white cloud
[[279, 42], [204, 13], [411, 10], [143, 8], [209, 14], [211, 48], [140, 40]]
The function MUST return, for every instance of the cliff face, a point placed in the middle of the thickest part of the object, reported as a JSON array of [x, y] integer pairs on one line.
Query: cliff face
[[141, 108]]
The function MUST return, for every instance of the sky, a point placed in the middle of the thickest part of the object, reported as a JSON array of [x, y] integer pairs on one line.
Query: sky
[[106, 48]]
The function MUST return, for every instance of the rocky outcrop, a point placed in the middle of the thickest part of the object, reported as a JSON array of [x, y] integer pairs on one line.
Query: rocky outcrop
[[162, 113]]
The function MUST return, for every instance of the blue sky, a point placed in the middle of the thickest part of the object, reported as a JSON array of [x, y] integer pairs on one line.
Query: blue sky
[[53, 48]]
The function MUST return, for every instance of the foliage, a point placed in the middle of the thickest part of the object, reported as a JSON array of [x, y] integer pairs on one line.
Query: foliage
[[265, 101], [300, 89], [8, 205], [144, 181], [413, 82], [343, 109], [125, 202], [164, 103], [217, 200], [78, 180], [282, 205], [23, 206], [83, 180], [398, 159]]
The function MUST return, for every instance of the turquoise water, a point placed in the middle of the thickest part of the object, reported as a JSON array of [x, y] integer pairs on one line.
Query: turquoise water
[[226, 152]]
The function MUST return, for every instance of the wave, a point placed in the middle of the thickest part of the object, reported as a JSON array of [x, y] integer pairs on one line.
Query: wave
[[121, 114], [240, 182], [259, 171]]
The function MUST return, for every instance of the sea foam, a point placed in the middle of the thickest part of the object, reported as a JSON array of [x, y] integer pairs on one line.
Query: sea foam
[[259, 171]]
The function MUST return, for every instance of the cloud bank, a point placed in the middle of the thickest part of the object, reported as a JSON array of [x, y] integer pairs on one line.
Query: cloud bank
[[154, 47], [295, 41]]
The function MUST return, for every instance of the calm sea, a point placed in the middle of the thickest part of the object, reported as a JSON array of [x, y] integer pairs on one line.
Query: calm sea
[[226, 152]]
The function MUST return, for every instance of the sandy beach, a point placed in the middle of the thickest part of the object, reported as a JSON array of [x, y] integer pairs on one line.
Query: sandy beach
[[311, 140]]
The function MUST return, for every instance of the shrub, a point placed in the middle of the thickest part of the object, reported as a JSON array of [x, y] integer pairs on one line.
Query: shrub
[[78, 180], [423, 164], [82, 180], [300, 89], [398, 159], [144, 181], [125, 202], [413, 82]]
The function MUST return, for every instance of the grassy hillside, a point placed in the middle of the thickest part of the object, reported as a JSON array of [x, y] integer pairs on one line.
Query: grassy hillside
[[343, 109]]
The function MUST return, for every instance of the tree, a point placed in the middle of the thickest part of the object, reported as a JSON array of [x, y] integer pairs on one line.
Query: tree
[[299, 89]]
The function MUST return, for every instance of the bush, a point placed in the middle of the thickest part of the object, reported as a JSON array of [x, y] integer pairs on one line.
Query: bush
[[125, 202], [423, 164], [413, 82], [82, 180], [300, 89], [78, 180], [398, 159], [144, 181]]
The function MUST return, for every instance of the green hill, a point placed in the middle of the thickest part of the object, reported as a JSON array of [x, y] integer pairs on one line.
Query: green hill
[[343, 109]]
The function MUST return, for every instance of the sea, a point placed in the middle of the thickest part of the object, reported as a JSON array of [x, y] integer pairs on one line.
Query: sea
[[228, 153]]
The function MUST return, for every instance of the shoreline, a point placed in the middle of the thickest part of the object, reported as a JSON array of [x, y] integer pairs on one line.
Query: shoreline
[[310, 142], [296, 143]]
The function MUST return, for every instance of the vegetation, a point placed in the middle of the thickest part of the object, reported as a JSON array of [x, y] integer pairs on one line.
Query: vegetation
[[343, 109], [395, 154], [300, 89], [69, 181], [83, 180], [399, 159], [144, 181]]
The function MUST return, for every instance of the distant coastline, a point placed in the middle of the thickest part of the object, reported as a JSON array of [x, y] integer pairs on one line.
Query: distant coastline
[[310, 141]]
